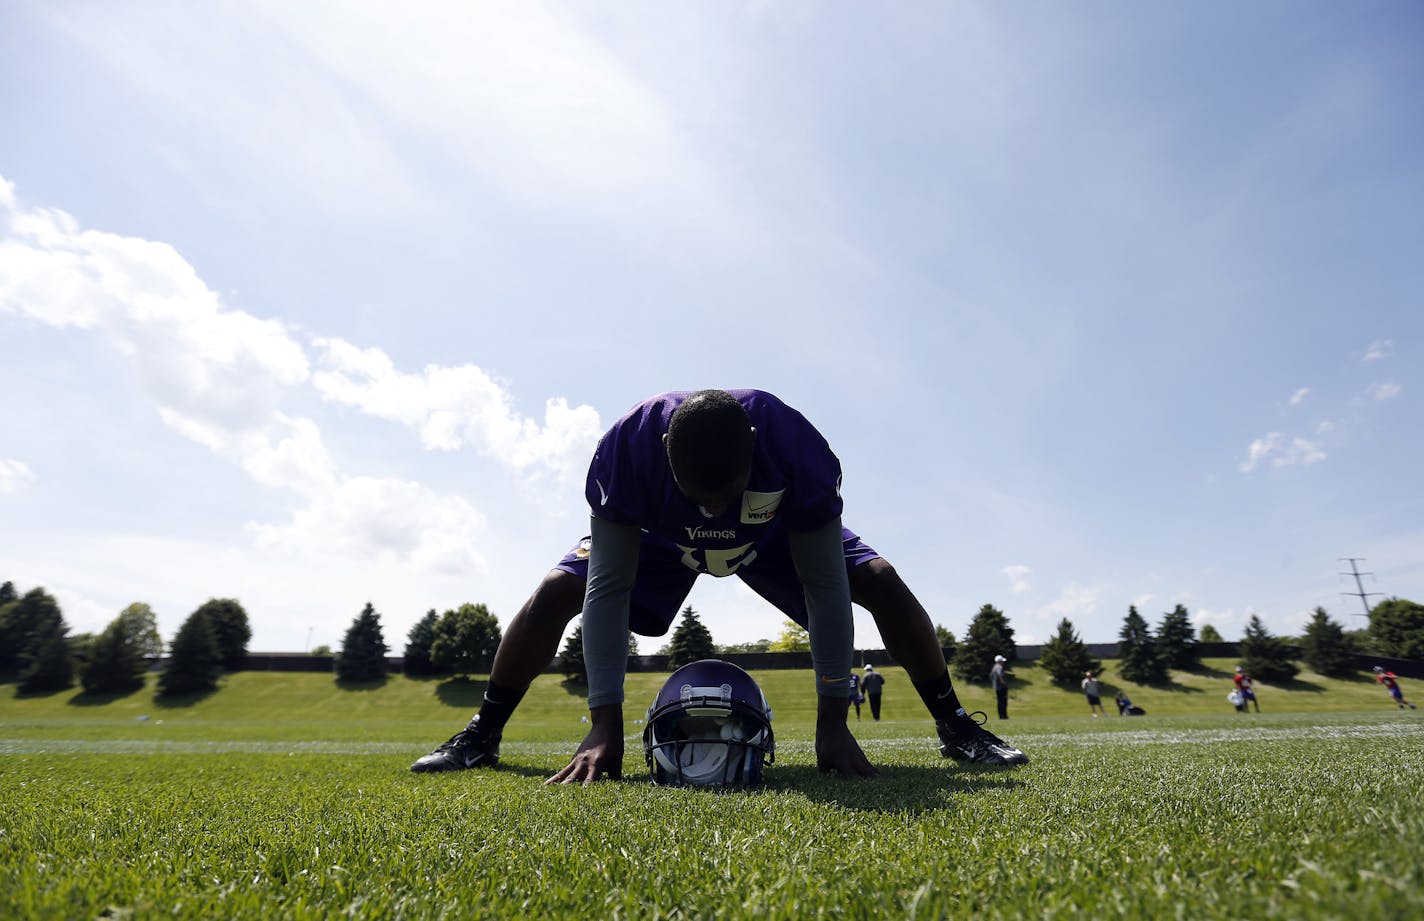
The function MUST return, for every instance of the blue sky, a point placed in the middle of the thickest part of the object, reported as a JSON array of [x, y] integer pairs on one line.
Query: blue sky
[[1103, 304]]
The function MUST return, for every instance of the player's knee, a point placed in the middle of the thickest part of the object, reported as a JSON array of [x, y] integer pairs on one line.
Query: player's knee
[[875, 583], [558, 598], [873, 574]]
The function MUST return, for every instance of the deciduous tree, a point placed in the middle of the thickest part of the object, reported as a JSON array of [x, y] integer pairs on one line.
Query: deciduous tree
[[231, 630], [465, 640], [1397, 627], [140, 627], [792, 638]]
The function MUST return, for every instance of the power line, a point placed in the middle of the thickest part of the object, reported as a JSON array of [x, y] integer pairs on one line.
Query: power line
[[1363, 595]]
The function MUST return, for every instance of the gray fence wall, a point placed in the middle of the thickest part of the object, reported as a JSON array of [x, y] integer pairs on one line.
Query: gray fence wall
[[754, 661]]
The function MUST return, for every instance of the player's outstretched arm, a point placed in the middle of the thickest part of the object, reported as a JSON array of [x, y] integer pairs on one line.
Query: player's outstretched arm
[[837, 751], [601, 753]]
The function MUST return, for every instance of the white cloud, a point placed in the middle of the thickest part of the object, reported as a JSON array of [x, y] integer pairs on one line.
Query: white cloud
[[82, 614], [1018, 577], [1218, 619], [199, 361], [14, 476], [453, 407], [1281, 451], [1386, 390], [94, 575], [1299, 396], [283, 122], [286, 453], [1380, 348], [520, 94], [353, 98], [1075, 602], [218, 376], [383, 519]]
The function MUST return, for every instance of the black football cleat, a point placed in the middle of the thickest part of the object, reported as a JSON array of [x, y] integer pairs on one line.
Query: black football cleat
[[965, 739], [468, 748]]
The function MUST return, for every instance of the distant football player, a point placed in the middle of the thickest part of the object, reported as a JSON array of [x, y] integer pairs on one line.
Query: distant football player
[[874, 684], [1246, 687], [723, 483], [1391, 681]]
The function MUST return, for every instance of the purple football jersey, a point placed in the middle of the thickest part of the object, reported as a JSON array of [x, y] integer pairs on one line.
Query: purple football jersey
[[795, 483]]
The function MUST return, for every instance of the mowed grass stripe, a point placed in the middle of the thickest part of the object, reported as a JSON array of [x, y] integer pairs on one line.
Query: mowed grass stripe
[[1181, 736], [1311, 814], [1293, 828]]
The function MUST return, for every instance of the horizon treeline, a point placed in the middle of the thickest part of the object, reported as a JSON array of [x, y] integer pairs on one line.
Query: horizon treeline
[[38, 653]]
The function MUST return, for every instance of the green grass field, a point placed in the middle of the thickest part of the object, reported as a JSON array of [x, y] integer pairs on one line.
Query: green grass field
[[282, 795]]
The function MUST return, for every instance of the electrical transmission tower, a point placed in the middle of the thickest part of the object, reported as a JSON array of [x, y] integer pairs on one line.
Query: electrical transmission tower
[[1363, 595]]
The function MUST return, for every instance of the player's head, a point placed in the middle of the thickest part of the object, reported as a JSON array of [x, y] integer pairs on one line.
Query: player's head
[[1238, 668], [709, 446]]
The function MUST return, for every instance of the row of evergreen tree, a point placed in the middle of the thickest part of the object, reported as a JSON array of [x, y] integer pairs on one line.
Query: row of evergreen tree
[[1325, 646], [37, 651], [35, 648], [1144, 656]]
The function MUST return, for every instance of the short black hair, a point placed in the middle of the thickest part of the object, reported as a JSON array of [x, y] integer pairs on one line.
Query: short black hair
[[709, 440]]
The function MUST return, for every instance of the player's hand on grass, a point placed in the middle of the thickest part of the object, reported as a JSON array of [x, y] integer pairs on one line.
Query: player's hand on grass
[[837, 751], [601, 753]]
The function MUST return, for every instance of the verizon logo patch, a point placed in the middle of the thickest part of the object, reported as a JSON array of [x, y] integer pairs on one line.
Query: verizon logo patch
[[760, 507]]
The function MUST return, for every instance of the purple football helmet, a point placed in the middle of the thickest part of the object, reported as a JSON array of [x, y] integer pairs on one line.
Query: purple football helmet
[[709, 726]]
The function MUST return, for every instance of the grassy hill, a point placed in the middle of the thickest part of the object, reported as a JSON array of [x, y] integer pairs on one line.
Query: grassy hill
[[296, 705], [286, 796]]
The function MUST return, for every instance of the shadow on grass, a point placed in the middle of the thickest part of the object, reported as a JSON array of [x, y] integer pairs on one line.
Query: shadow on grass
[[40, 694], [1355, 678], [1111, 690], [179, 701], [577, 689], [101, 698], [461, 692], [540, 773], [1206, 671], [900, 790], [1298, 684], [504, 767], [373, 684]]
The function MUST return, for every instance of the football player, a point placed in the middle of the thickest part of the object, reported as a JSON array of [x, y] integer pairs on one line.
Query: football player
[[1391, 681], [723, 483]]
